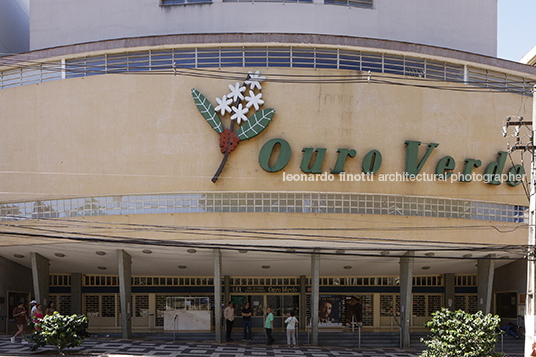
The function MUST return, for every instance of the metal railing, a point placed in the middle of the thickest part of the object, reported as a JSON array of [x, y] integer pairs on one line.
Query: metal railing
[[170, 61]]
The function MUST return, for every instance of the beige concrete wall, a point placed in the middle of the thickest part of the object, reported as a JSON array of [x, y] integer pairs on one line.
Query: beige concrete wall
[[121, 134]]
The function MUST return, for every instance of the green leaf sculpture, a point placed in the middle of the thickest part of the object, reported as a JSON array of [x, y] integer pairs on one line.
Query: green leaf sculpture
[[207, 110], [255, 124]]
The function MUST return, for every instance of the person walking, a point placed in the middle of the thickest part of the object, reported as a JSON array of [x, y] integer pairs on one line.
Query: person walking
[[291, 322], [269, 326], [229, 315], [50, 309], [246, 322], [19, 313]]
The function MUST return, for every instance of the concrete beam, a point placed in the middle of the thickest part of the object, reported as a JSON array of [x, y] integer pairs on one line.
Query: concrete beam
[[124, 265], [217, 296], [40, 275], [450, 292], [76, 293], [406, 285], [315, 295], [485, 270]]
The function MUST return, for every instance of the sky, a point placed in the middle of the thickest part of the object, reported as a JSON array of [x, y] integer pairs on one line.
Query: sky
[[516, 28]]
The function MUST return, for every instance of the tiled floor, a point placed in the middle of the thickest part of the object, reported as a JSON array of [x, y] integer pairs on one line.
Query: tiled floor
[[118, 347]]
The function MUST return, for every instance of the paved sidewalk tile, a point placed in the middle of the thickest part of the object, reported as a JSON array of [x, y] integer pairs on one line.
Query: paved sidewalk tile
[[118, 347]]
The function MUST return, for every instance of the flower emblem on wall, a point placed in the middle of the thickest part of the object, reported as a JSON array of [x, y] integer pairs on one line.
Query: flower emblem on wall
[[236, 105]]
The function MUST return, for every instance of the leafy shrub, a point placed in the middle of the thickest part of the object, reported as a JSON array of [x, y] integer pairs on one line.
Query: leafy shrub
[[459, 334], [58, 330]]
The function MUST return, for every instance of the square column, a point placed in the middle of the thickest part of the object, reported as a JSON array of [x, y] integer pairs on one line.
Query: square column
[[406, 284], [217, 295], [484, 276], [315, 294], [76, 293], [124, 265], [40, 275], [450, 292]]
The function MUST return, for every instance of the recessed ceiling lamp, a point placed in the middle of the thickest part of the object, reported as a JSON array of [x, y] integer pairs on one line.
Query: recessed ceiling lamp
[[425, 267], [147, 251], [339, 251], [290, 250], [100, 252], [242, 251], [182, 266], [102, 268], [60, 255], [431, 254], [467, 255], [385, 252], [266, 267], [192, 251], [347, 267], [18, 256]]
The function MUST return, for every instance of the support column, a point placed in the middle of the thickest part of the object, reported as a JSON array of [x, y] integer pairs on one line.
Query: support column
[[406, 284], [450, 292], [217, 295], [303, 302], [315, 295], [40, 275], [76, 293], [226, 289], [124, 265], [484, 275]]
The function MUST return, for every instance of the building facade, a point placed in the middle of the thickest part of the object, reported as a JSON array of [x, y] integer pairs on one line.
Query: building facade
[[346, 173]]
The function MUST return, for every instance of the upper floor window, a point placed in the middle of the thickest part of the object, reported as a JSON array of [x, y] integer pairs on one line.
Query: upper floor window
[[368, 4]]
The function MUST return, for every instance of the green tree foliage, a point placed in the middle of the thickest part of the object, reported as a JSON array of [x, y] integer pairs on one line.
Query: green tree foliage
[[459, 334], [58, 330]]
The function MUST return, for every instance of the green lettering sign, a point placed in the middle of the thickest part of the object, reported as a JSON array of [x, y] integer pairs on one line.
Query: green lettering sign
[[467, 174], [446, 163], [413, 166], [266, 153], [341, 159], [372, 162], [317, 164], [515, 175], [492, 174]]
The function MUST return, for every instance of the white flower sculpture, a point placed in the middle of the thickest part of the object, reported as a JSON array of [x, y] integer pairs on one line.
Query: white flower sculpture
[[254, 100], [236, 91], [223, 105], [239, 114], [231, 103], [254, 80]]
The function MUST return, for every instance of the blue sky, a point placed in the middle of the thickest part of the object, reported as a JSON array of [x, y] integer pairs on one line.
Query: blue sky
[[516, 28]]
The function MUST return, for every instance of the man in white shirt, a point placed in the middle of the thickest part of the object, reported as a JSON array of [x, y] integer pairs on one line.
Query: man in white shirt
[[33, 304], [229, 315]]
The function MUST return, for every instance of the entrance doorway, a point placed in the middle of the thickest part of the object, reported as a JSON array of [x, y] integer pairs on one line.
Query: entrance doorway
[[13, 298], [281, 305]]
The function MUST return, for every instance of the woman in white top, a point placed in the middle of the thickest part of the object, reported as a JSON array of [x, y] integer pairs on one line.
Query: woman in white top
[[291, 322]]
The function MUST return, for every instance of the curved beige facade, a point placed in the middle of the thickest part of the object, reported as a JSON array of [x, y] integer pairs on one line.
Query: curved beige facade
[[97, 158]]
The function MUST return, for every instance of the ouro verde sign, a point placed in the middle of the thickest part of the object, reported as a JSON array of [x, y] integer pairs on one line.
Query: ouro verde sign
[[372, 161]]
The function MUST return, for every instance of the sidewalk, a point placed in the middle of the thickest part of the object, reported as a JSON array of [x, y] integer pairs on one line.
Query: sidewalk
[[102, 346]]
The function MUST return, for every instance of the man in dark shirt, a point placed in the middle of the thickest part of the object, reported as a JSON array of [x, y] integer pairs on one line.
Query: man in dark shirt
[[246, 321]]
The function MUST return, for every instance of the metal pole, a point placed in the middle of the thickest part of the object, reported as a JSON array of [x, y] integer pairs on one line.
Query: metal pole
[[530, 302]]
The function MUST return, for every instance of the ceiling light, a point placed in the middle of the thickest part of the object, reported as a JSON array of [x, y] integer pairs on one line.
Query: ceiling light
[[147, 251], [182, 266], [347, 267], [468, 255], [18, 256], [431, 254], [60, 255], [102, 268], [100, 252], [425, 267], [385, 252], [243, 251], [266, 267], [339, 251], [291, 250], [192, 251]]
